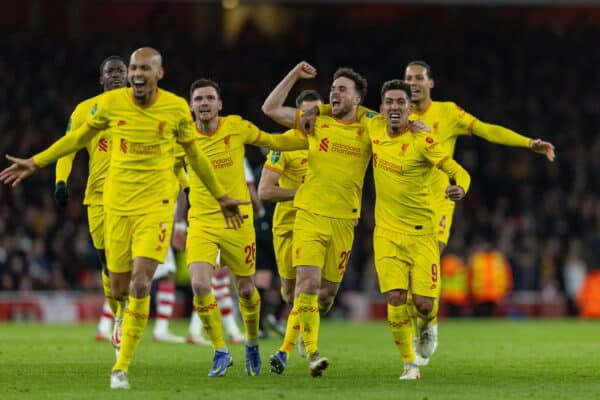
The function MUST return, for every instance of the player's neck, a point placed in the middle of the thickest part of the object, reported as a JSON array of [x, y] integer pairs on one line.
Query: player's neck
[[149, 99], [398, 130], [350, 116], [421, 106], [208, 127]]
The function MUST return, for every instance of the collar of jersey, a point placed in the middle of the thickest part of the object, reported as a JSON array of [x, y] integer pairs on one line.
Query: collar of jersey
[[425, 110]]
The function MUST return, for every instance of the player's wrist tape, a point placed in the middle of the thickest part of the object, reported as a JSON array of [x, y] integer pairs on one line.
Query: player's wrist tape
[[181, 226]]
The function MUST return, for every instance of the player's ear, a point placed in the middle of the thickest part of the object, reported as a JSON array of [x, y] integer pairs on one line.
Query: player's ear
[[381, 108], [161, 73], [220, 105], [431, 83]]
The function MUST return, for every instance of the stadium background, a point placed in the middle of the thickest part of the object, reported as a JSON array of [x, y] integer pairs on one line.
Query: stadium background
[[530, 67]]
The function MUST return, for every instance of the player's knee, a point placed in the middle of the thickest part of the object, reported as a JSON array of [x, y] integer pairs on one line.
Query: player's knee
[[396, 297], [423, 304], [246, 291], [200, 287], [139, 287]]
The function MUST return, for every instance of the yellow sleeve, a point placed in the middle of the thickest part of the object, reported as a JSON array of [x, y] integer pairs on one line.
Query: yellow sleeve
[[64, 164], [203, 168], [456, 172], [292, 139], [276, 161], [435, 154], [499, 135], [186, 132], [65, 145]]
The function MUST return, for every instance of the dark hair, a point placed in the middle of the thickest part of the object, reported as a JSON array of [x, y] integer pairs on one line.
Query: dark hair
[[200, 83], [423, 64], [360, 83], [395, 84], [308, 95], [109, 59]]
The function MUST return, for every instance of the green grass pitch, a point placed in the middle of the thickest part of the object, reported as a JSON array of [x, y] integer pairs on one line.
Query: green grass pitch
[[489, 359]]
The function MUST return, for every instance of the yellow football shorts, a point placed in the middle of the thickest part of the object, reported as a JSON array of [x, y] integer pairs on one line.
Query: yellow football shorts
[[282, 244], [323, 242], [129, 237], [208, 234], [407, 261], [443, 214], [95, 214]]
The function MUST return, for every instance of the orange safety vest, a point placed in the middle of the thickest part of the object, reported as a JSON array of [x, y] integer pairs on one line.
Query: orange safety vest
[[454, 278], [490, 277], [588, 298]]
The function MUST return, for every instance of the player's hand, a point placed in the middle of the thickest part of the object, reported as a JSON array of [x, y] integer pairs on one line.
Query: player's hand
[[455, 192], [21, 169], [61, 194], [179, 235], [542, 147], [307, 121], [304, 70], [231, 210], [418, 126]]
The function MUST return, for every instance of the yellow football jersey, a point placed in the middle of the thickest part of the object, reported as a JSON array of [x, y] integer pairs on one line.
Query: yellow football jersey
[[291, 165], [140, 178], [99, 155], [400, 163], [338, 154], [447, 122], [225, 150]]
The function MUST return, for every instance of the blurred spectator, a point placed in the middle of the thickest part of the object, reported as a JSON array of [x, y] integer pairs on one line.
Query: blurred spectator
[[490, 280], [574, 272], [455, 289], [588, 299]]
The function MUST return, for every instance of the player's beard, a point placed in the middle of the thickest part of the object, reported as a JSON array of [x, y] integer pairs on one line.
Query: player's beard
[[344, 110]]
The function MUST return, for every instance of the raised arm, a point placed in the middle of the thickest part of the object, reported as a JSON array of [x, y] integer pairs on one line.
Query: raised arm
[[291, 139], [268, 187], [23, 168], [273, 106], [501, 135]]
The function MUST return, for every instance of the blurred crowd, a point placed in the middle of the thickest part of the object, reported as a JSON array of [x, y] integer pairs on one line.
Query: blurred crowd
[[537, 79]]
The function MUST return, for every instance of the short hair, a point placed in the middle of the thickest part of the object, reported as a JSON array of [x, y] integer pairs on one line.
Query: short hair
[[204, 82], [308, 95], [109, 59], [360, 83], [423, 64], [395, 84]]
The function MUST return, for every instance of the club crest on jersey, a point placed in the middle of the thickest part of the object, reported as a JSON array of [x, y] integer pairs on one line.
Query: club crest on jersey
[[103, 145], [123, 145], [360, 132], [303, 161], [94, 109], [403, 149], [375, 160], [161, 127], [429, 139], [275, 156], [226, 141], [324, 145]]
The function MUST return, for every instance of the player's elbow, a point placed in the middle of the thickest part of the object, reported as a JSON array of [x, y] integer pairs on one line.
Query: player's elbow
[[264, 194]]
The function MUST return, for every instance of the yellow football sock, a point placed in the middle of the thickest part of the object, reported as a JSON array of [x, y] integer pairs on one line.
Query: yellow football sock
[[412, 312], [292, 331], [309, 319], [210, 315], [121, 305], [402, 331], [250, 310], [112, 303], [134, 322]]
